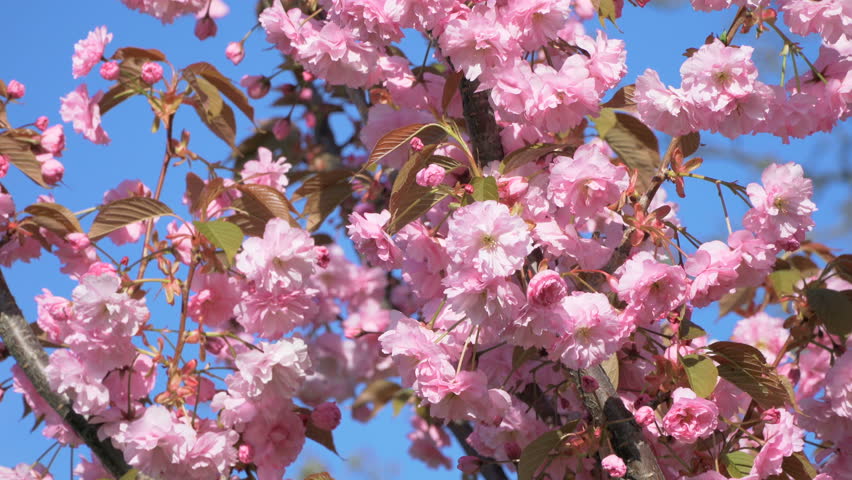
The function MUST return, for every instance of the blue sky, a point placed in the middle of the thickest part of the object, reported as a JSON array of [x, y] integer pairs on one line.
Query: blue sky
[[38, 39]]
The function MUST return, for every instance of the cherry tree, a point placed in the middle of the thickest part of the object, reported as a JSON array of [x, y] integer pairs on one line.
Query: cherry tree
[[524, 283]]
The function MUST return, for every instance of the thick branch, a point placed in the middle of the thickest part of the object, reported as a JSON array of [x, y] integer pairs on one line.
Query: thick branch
[[489, 470], [25, 347], [481, 125]]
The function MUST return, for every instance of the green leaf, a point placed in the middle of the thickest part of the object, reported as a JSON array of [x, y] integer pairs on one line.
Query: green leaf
[[429, 133], [319, 476], [485, 188], [126, 211], [222, 234], [688, 330], [738, 463], [633, 141], [745, 367], [21, 156], [784, 281], [701, 372], [535, 454], [606, 11], [832, 308], [55, 218], [530, 153], [131, 474]]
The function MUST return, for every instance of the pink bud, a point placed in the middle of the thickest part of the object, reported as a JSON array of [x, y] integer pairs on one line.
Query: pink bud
[[644, 416], [614, 466], [308, 76], [306, 94], [546, 288], [4, 165], [281, 129], [469, 464], [257, 86], [323, 256], [245, 453], [310, 119], [100, 268], [326, 416], [205, 28], [513, 450], [589, 384], [152, 72], [771, 416], [511, 189], [15, 89], [110, 71], [51, 169], [53, 140], [362, 413], [416, 144], [214, 345], [42, 122], [235, 52], [430, 176], [468, 188]]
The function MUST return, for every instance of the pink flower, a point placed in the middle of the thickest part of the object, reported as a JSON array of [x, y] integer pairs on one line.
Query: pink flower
[[586, 184], [265, 171], [830, 18], [663, 108], [70, 376], [166, 11], [714, 267], [782, 206], [75, 251], [371, 240], [53, 140], [235, 52], [764, 332], [838, 389], [690, 417], [25, 471], [205, 27], [431, 176], [276, 439], [257, 86], [4, 168], [593, 330], [215, 298], [89, 51], [110, 71], [15, 89], [275, 368], [651, 288], [426, 443], [85, 114], [487, 238], [326, 416], [42, 122], [614, 466], [478, 42], [152, 72], [284, 258], [546, 288], [782, 440]]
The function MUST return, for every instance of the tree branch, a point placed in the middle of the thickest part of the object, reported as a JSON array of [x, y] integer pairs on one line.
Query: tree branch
[[25, 347], [481, 125]]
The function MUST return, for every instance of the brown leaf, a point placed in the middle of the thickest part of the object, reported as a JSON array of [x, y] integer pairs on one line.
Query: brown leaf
[[150, 54], [735, 300], [378, 394], [194, 186], [634, 143], [530, 153], [209, 193], [224, 85], [622, 99], [832, 308], [21, 156], [689, 143], [126, 211], [211, 109], [428, 133], [265, 203], [115, 95], [55, 218], [451, 88], [745, 367]]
